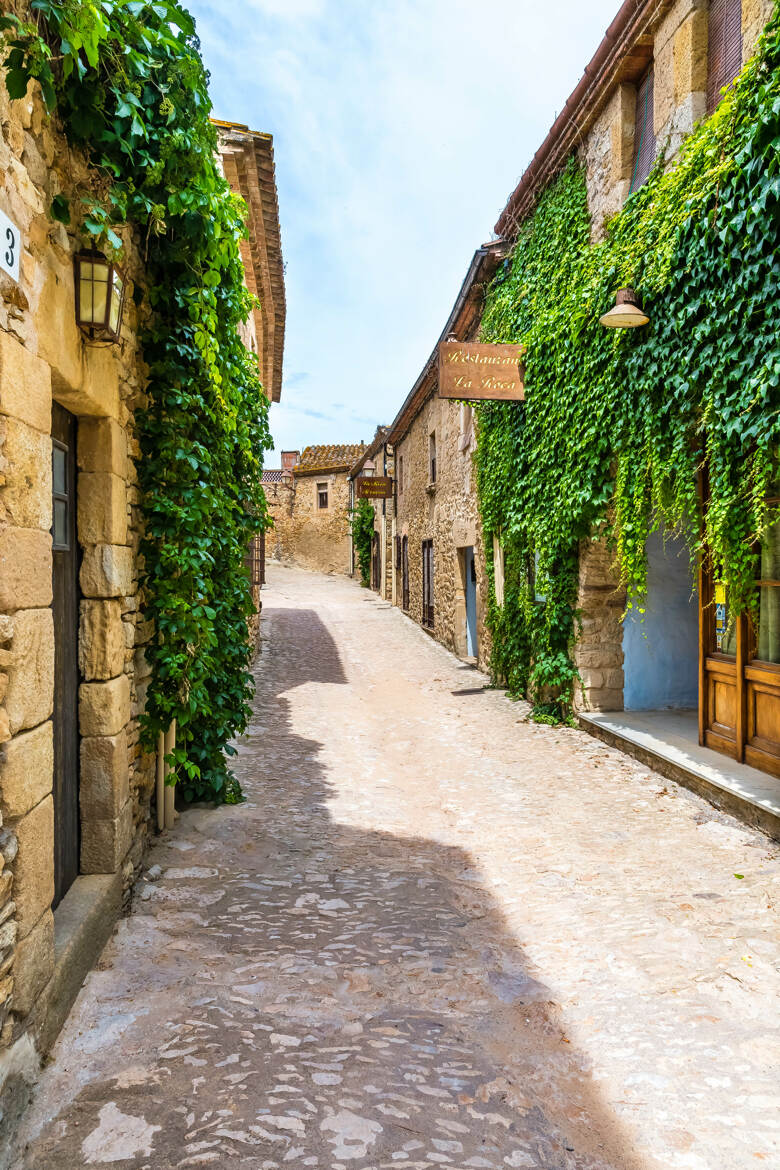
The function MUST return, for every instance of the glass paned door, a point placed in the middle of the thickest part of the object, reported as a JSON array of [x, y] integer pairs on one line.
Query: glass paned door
[[739, 674]]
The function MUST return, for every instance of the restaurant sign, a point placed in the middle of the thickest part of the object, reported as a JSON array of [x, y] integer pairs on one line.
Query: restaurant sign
[[375, 487], [481, 372]]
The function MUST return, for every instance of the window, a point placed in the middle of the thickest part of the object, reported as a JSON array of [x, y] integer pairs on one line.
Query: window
[[644, 132], [432, 457], [725, 48], [400, 475], [322, 495], [427, 575]]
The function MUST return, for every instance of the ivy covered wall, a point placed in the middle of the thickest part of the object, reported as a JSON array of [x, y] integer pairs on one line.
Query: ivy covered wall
[[128, 83], [617, 425]]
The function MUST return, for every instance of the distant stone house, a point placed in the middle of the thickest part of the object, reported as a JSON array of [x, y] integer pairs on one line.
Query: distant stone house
[[377, 461], [75, 784], [309, 502]]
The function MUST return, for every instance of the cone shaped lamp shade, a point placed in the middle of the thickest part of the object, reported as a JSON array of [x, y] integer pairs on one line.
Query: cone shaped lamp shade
[[627, 313]]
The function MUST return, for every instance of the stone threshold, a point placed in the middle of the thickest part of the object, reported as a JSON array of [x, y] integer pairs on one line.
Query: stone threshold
[[668, 742], [83, 922]]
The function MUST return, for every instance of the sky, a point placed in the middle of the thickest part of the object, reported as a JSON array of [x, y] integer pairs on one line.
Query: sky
[[400, 129]]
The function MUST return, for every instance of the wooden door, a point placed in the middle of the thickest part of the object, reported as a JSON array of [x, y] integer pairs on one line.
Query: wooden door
[[739, 707], [405, 572], [427, 584], [65, 556], [376, 564]]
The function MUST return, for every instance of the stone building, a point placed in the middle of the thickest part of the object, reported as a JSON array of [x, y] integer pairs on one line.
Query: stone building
[[309, 501], [659, 70], [75, 784], [439, 576]]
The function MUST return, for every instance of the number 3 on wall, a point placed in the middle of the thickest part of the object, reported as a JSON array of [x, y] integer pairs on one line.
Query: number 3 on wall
[[12, 246]]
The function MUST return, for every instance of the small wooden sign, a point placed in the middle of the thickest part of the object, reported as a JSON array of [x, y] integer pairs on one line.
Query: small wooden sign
[[481, 372], [375, 487]]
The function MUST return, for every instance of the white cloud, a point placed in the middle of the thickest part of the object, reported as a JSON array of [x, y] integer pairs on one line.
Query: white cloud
[[400, 127]]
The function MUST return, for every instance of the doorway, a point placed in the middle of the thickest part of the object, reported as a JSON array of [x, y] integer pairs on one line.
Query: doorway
[[470, 590], [660, 646], [376, 564], [739, 712], [65, 607], [405, 573]]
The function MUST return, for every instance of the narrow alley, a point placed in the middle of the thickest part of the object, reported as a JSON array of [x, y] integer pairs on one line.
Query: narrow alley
[[436, 935]]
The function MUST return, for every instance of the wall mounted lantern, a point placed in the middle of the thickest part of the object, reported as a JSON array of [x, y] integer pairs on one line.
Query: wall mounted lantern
[[100, 296], [627, 312]]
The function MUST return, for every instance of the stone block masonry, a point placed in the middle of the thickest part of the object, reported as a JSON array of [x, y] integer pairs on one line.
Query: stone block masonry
[[45, 360]]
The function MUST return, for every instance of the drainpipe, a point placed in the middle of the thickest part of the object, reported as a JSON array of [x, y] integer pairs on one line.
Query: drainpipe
[[166, 793]]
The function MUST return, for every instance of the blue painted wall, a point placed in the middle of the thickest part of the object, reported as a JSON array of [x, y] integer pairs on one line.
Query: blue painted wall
[[661, 652]]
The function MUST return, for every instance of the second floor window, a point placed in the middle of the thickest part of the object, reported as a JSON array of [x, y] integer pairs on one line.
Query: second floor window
[[400, 475], [724, 59], [644, 131], [432, 457], [322, 495]]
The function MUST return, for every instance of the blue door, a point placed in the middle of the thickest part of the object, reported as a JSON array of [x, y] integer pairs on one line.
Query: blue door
[[471, 602]]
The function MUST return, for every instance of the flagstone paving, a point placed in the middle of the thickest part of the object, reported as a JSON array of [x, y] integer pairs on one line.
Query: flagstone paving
[[435, 935]]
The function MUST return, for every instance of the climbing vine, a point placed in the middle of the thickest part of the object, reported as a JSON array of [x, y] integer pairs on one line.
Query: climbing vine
[[618, 425], [362, 538], [128, 83]]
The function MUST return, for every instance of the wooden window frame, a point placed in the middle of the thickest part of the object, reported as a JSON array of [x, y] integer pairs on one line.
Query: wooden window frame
[[724, 48], [645, 145], [322, 490]]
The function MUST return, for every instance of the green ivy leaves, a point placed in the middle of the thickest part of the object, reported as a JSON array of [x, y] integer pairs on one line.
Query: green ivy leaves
[[362, 538], [131, 90], [616, 428]]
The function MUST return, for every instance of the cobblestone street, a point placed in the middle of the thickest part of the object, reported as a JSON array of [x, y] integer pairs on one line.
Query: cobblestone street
[[436, 935]]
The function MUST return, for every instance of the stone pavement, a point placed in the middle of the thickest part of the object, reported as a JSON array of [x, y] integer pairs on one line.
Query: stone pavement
[[435, 935]]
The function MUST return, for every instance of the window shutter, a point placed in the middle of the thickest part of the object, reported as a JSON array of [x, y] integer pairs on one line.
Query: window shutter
[[644, 132], [725, 48]]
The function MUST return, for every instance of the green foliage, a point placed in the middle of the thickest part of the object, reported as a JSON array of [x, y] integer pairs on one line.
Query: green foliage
[[618, 425], [362, 538], [130, 87]]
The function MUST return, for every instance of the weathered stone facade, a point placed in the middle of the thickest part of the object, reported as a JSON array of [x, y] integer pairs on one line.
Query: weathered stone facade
[[444, 511], [309, 503], [45, 361], [677, 47]]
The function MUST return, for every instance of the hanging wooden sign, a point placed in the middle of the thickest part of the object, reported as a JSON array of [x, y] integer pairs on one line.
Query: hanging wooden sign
[[375, 487], [492, 373]]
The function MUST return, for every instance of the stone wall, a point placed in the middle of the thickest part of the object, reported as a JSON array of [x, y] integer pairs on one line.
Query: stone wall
[[679, 53], [446, 512], [45, 359], [304, 534], [680, 59]]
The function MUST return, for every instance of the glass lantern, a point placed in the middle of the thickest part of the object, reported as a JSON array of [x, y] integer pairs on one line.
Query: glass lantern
[[100, 296]]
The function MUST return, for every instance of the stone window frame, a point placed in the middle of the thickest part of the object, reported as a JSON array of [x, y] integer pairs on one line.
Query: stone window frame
[[323, 490], [432, 463]]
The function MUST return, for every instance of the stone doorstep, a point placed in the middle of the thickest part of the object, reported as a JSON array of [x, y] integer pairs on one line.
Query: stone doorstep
[[723, 798], [83, 922]]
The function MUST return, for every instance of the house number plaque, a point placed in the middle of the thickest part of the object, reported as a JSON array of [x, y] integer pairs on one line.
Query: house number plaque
[[10, 246]]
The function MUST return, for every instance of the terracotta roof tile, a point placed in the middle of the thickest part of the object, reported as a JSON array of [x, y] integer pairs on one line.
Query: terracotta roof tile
[[328, 457]]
